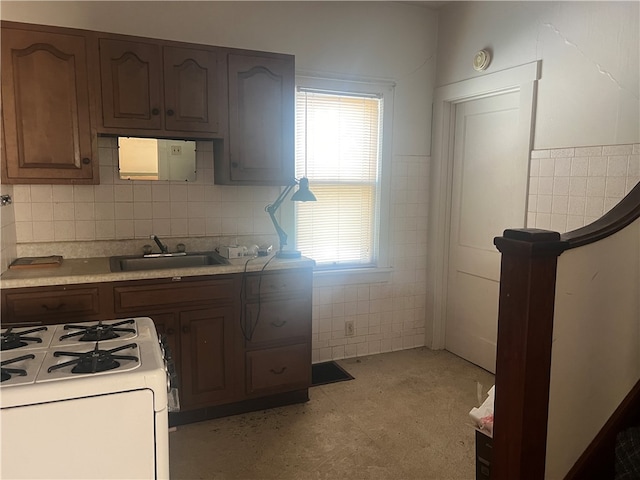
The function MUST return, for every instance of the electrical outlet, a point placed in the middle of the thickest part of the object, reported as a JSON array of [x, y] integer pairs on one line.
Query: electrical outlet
[[176, 150], [349, 328]]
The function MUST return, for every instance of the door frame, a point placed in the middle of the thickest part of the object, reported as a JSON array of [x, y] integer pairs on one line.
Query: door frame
[[521, 79]]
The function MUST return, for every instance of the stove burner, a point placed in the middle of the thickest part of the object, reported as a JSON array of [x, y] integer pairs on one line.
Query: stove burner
[[10, 340], [95, 333], [5, 373], [95, 360]]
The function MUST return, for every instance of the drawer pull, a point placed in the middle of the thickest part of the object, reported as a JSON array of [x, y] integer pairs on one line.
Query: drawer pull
[[278, 372], [53, 309], [279, 323]]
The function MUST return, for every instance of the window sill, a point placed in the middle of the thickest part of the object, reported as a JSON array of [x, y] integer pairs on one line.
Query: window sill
[[351, 276]]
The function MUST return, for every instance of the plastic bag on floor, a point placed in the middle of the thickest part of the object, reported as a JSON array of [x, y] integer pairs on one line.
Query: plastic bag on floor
[[483, 415]]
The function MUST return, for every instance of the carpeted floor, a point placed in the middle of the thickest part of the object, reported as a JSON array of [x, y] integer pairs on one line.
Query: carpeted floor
[[403, 417]]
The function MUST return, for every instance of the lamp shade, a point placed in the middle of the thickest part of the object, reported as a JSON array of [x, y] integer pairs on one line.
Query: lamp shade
[[303, 194]]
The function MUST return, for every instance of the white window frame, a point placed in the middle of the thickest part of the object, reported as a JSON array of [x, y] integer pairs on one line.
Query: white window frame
[[381, 270]]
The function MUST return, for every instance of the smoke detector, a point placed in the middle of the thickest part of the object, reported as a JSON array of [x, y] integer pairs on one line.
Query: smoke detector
[[481, 60]]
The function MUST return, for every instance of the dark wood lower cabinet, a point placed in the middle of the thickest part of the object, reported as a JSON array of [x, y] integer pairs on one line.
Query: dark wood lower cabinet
[[231, 357], [207, 340]]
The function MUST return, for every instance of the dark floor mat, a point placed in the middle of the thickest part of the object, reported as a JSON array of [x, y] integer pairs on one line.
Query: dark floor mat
[[328, 372]]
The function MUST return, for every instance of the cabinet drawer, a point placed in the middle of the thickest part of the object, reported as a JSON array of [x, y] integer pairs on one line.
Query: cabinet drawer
[[278, 283], [278, 320], [278, 369], [131, 298], [52, 304]]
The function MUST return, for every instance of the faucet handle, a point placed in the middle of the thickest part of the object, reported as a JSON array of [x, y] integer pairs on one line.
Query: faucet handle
[[181, 247], [147, 249]]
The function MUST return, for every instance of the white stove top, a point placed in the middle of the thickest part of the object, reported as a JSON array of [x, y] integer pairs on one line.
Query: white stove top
[[26, 338], [136, 362]]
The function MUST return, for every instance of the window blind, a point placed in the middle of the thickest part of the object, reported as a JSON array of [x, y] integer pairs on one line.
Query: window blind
[[338, 148]]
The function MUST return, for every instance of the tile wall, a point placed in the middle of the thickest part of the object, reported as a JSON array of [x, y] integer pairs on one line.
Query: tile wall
[[7, 230], [568, 188], [572, 187], [122, 209], [387, 316]]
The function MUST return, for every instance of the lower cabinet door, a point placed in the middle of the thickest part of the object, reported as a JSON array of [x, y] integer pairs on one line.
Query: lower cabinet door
[[207, 343], [274, 370]]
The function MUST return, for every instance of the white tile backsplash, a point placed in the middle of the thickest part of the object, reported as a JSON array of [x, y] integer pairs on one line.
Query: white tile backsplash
[[121, 209], [571, 187]]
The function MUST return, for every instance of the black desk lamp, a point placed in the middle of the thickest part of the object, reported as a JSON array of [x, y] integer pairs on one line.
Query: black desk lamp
[[302, 195]]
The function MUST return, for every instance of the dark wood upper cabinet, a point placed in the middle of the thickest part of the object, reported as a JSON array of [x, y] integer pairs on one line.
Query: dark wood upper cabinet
[[261, 120], [46, 106], [150, 88], [62, 87], [131, 84], [192, 86]]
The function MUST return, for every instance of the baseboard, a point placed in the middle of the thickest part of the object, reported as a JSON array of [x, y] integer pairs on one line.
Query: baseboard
[[263, 403]]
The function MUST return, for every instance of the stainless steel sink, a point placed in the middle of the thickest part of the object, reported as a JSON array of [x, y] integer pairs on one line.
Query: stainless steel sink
[[130, 263]]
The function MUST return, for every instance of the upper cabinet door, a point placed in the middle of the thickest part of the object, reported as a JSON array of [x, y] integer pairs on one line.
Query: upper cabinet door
[[46, 108], [131, 74], [192, 90], [261, 119]]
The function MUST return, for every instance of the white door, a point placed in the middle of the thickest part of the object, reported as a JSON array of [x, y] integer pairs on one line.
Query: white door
[[488, 196]]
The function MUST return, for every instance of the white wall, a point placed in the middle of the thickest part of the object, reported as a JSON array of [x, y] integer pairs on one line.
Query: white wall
[[589, 93], [595, 360], [394, 42]]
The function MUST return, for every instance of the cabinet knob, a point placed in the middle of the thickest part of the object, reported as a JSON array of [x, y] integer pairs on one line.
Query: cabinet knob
[[170, 112], [155, 111], [170, 331], [86, 161], [185, 329]]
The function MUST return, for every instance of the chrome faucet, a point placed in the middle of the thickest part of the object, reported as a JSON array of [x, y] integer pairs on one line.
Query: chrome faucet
[[163, 247]]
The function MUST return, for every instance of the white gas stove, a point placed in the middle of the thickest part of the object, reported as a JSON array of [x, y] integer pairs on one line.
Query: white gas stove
[[95, 390]]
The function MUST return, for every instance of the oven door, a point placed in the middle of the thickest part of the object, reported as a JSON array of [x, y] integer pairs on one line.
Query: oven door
[[108, 436]]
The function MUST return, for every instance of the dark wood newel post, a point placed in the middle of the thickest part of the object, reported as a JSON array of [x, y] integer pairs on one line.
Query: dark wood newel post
[[525, 328]]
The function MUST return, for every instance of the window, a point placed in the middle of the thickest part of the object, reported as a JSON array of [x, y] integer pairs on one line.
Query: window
[[339, 148]]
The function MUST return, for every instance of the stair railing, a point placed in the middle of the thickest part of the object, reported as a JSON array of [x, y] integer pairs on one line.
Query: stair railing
[[525, 332]]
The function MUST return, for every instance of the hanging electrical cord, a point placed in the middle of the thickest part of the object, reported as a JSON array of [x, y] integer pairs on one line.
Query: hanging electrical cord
[[248, 335]]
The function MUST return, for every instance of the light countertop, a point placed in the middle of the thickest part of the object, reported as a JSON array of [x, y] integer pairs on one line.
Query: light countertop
[[95, 270]]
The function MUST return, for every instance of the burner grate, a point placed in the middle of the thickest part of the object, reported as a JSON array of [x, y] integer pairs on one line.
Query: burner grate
[[101, 331], [10, 340], [7, 373], [93, 361]]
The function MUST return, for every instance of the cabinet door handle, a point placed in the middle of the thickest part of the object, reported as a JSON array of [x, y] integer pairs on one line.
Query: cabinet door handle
[[86, 161], [278, 372], [170, 112], [185, 329], [155, 111], [170, 331], [279, 323], [52, 309]]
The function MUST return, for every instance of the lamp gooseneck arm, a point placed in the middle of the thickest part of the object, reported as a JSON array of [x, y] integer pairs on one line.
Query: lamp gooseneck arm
[[273, 208]]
